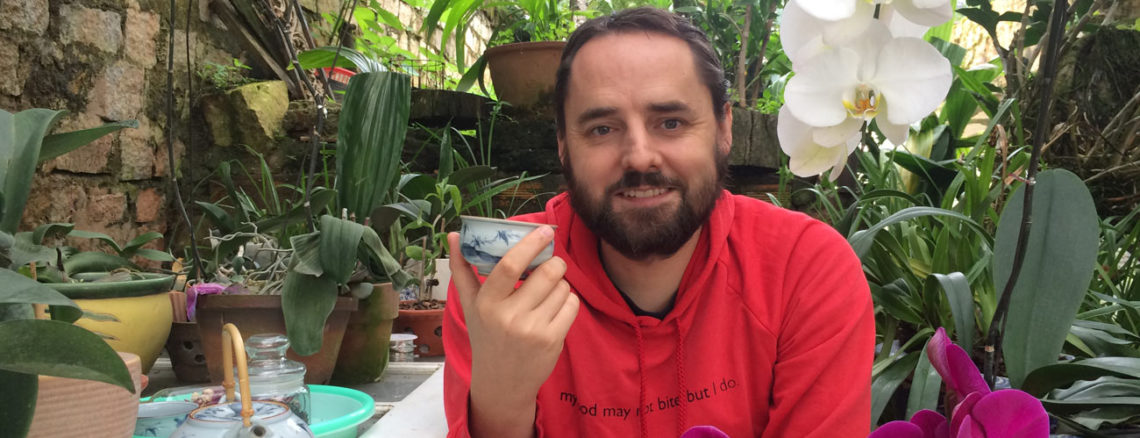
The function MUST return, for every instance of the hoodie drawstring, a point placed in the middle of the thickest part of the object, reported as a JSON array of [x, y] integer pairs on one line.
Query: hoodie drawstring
[[679, 359], [641, 373]]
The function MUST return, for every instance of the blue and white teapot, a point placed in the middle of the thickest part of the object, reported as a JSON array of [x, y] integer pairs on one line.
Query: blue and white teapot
[[245, 418]]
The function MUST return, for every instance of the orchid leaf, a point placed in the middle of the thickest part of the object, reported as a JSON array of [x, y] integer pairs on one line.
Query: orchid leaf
[[83, 234], [925, 389], [58, 144], [862, 240], [54, 229], [884, 384], [961, 299], [1055, 274], [306, 302], [56, 348], [339, 240], [19, 402], [1049, 377], [306, 254], [373, 121], [19, 289]]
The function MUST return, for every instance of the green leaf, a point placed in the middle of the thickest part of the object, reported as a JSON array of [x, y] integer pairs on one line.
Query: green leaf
[[473, 74], [131, 247], [154, 254], [99, 236], [19, 289], [306, 302], [1049, 377], [862, 240], [306, 254], [18, 403], [339, 240], [373, 121], [374, 249], [49, 230], [92, 261], [222, 220], [59, 144], [21, 138], [55, 348], [925, 389], [1058, 265], [961, 300], [884, 385], [322, 57]]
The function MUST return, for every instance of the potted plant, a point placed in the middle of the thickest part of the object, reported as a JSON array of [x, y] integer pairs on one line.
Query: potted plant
[[34, 349], [525, 50], [430, 207]]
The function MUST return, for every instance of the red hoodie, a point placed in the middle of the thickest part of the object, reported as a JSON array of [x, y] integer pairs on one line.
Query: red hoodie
[[771, 335]]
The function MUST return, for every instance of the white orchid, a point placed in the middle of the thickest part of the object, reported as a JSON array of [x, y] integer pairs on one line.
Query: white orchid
[[812, 24], [812, 150], [896, 81]]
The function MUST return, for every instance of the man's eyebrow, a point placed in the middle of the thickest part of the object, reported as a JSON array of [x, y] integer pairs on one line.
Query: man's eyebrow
[[672, 106], [596, 113]]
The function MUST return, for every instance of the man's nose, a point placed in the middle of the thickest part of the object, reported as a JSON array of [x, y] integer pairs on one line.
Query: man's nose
[[641, 154]]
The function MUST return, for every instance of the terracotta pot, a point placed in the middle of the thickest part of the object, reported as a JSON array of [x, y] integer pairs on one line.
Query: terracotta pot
[[184, 346], [524, 73], [427, 326], [73, 407], [256, 314], [364, 350]]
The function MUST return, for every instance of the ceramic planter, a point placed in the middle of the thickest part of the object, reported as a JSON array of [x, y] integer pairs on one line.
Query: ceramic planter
[[184, 346], [524, 73], [74, 408], [133, 316], [364, 351], [257, 314], [427, 326]]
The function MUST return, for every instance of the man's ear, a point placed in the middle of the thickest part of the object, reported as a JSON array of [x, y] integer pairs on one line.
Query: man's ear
[[724, 137], [561, 148]]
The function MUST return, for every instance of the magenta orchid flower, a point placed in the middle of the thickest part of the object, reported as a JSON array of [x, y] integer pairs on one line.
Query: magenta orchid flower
[[192, 293], [977, 412]]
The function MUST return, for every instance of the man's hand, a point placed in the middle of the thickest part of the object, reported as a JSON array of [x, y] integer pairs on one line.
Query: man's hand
[[516, 334]]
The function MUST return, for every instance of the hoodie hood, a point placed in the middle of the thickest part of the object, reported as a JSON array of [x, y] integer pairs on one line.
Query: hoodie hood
[[578, 246]]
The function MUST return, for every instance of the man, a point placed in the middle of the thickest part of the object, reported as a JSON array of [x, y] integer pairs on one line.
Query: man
[[670, 303]]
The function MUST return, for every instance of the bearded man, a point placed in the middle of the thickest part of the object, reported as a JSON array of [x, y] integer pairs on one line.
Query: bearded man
[[670, 303]]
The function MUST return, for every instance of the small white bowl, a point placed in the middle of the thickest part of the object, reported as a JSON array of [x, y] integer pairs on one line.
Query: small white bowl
[[484, 241]]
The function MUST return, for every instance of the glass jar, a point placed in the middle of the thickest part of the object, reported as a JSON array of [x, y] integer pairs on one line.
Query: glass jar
[[274, 377]]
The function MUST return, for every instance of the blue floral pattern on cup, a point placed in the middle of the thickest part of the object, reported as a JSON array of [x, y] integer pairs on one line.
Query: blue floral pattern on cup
[[484, 241]]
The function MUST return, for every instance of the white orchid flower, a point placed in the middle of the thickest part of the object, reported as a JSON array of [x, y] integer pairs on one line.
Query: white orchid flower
[[808, 25], [903, 79], [811, 150]]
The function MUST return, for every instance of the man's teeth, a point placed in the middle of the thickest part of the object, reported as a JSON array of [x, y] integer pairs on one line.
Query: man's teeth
[[643, 193]]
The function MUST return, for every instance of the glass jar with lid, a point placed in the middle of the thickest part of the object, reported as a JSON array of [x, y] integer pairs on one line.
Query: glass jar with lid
[[274, 377]]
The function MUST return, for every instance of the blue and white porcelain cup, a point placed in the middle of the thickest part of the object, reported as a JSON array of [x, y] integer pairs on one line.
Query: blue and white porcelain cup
[[484, 241], [162, 418]]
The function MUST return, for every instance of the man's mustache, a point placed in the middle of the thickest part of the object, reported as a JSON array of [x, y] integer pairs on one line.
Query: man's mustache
[[634, 179]]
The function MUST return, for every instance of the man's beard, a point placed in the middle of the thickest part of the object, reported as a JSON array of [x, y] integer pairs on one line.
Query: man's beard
[[642, 233]]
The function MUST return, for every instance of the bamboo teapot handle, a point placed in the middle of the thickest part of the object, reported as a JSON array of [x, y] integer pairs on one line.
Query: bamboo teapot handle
[[233, 344]]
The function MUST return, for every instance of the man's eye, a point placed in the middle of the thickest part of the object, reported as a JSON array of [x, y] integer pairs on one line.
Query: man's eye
[[672, 124], [600, 130]]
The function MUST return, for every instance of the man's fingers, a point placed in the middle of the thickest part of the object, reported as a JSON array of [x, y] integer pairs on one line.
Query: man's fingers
[[566, 315], [466, 283], [501, 282], [548, 308], [539, 285]]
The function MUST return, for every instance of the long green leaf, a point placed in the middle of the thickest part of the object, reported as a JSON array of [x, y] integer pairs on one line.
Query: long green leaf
[[1058, 265], [56, 348], [306, 302], [53, 229], [370, 140], [322, 57], [925, 389], [961, 300], [1050, 377], [861, 241], [139, 241], [375, 250], [19, 289], [339, 240], [306, 254], [18, 403], [83, 234], [59, 144], [884, 385], [21, 138]]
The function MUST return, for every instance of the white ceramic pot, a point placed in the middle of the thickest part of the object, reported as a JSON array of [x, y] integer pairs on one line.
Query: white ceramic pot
[[270, 419]]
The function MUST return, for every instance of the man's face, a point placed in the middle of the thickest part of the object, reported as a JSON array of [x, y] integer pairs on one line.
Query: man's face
[[642, 149]]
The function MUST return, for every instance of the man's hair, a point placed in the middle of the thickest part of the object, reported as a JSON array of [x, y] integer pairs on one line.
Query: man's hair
[[646, 19]]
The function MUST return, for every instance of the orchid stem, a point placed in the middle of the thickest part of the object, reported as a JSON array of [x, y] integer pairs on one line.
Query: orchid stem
[[1048, 74]]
